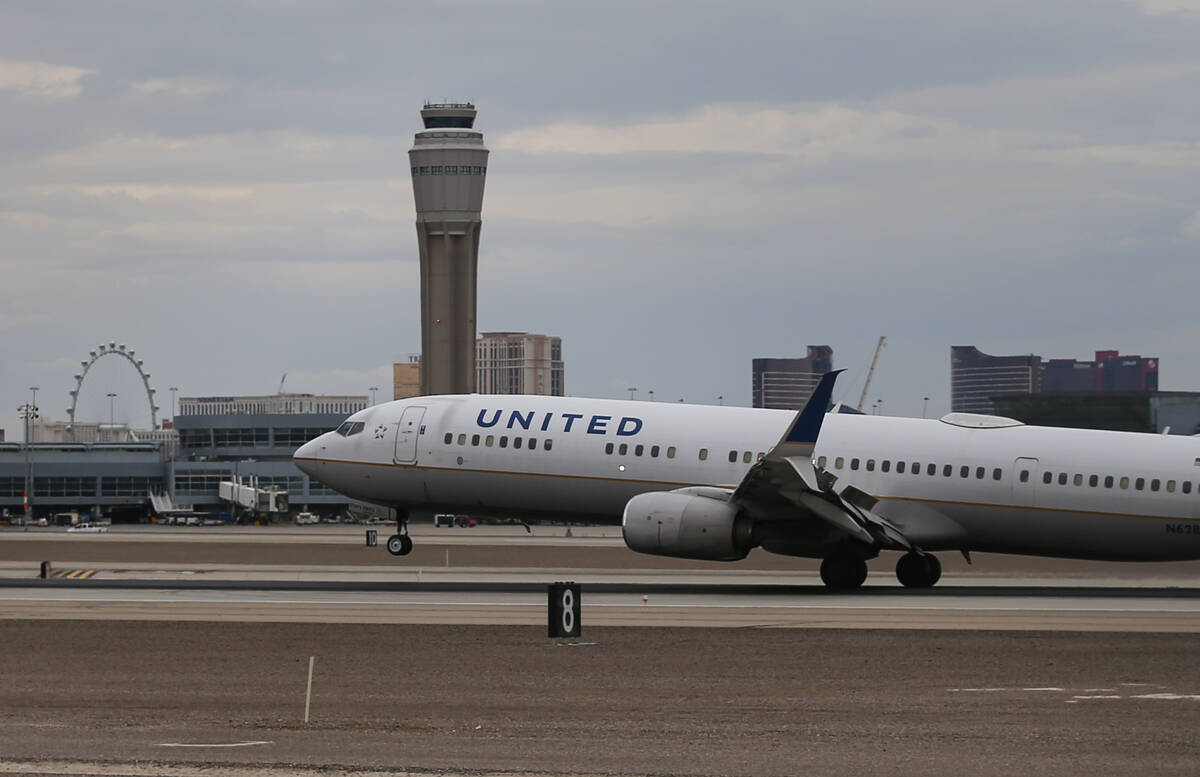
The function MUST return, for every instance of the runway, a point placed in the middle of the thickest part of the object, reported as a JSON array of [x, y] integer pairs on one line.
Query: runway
[[183, 654]]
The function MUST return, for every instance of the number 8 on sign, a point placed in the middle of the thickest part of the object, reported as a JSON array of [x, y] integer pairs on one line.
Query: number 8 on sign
[[568, 610]]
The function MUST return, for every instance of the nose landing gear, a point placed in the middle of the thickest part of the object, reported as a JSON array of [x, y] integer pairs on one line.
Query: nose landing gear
[[400, 544]]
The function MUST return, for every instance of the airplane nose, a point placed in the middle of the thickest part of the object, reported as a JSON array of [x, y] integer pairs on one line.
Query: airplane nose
[[305, 455]]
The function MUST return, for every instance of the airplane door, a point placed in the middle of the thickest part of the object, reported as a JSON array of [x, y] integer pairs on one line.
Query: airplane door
[[408, 432], [1026, 476]]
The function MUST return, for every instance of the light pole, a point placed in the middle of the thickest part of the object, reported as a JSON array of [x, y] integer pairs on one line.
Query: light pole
[[111, 400], [29, 414], [925, 406], [632, 391], [721, 399], [651, 392], [373, 390], [174, 390]]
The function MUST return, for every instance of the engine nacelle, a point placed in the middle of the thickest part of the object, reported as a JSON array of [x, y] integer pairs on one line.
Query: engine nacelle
[[663, 523]]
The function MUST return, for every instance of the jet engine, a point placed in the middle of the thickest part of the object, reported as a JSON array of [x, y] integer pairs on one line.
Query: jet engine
[[668, 523]]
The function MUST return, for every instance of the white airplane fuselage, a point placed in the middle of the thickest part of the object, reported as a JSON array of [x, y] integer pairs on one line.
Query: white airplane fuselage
[[1005, 488]]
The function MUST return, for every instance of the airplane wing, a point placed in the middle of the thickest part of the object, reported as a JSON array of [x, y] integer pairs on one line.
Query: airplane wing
[[786, 485]]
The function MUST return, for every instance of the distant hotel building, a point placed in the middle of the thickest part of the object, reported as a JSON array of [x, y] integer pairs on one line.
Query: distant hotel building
[[519, 363], [406, 378], [786, 384], [976, 377]]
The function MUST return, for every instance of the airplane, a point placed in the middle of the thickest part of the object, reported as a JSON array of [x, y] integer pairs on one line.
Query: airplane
[[713, 483]]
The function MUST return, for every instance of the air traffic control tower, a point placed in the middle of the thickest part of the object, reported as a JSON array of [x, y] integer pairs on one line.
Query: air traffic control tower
[[449, 166]]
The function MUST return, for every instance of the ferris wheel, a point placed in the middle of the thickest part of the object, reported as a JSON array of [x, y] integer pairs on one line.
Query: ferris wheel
[[111, 349]]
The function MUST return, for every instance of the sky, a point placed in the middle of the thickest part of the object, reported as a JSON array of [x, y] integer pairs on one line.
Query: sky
[[674, 188]]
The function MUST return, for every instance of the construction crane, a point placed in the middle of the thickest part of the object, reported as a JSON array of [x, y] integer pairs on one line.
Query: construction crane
[[871, 372]]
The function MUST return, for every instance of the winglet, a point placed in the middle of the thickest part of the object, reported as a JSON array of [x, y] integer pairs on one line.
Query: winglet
[[801, 437], [808, 423]]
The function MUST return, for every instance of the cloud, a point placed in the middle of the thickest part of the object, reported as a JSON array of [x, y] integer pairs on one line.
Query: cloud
[[185, 86], [41, 79]]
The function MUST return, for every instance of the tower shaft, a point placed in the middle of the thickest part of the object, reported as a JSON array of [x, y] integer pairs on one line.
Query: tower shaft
[[449, 167]]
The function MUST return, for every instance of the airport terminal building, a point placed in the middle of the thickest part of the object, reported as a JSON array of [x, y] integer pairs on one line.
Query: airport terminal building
[[220, 438]]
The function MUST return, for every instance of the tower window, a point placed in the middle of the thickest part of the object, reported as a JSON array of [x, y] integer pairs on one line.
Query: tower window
[[477, 170], [425, 170], [415, 171], [436, 170]]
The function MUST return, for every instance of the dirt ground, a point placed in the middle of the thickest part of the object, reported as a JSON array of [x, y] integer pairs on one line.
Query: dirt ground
[[626, 701]]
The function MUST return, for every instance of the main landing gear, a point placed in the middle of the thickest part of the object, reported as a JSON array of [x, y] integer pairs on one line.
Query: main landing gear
[[846, 571], [400, 544], [918, 570], [843, 571]]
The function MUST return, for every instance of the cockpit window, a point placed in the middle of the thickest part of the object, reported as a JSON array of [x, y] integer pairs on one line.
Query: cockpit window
[[350, 427]]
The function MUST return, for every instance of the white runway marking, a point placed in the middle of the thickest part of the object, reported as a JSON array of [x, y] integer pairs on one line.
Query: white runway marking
[[221, 744]]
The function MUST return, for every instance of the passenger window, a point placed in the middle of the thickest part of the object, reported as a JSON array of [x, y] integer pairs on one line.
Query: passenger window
[[623, 449], [637, 450], [491, 439], [1047, 477], [671, 452], [885, 465], [1078, 479], [1094, 481], [548, 444], [1170, 486], [854, 464], [930, 469], [532, 444], [1108, 481], [704, 454], [870, 465], [1024, 476], [1140, 484], [449, 437], [1062, 478], [516, 442], [462, 439], [608, 448], [947, 470], [1125, 483], [820, 460], [732, 457], [1154, 484], [761, 455], [474, 439], [839, 462], [504, 441], [747, 457], [654, 451], [899, 467], [996, 474], [979, 473], [964, 472], [1187, 486]]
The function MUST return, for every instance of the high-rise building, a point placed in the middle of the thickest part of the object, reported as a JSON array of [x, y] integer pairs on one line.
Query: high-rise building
[[406, 377], [786, 384], [1109, 372], [519, 363], [449, 166], [976, 377]]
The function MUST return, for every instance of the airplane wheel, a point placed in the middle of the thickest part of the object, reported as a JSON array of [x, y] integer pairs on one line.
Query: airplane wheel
[[843, 572], [918, 570], [399, 545]]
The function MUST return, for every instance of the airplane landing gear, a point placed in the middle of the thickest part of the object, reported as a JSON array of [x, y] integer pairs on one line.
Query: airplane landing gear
[[843, 572], [918, 570], [400, 544]]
